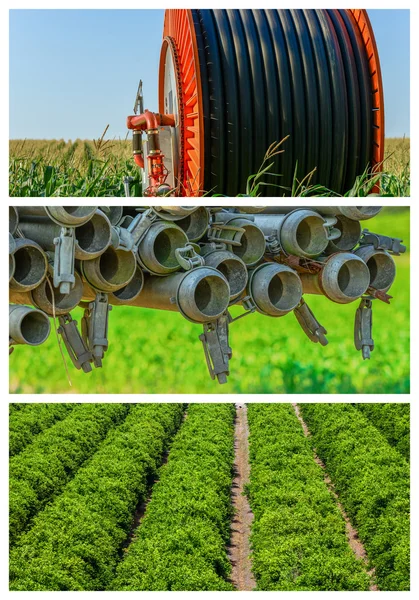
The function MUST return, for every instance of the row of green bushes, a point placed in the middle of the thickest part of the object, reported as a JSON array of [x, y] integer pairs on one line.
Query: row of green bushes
[[41, 472], [372, 480], [75, 542], [298, 534], [392, 420], [25, 424], [181, 541]]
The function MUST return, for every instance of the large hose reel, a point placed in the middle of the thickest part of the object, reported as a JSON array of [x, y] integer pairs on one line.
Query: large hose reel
[[232, 82]]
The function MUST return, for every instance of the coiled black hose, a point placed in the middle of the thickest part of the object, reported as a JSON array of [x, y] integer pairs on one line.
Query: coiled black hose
[[268, 74]]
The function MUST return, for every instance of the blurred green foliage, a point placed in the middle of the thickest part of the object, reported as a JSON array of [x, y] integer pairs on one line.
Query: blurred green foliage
[[154, 351]]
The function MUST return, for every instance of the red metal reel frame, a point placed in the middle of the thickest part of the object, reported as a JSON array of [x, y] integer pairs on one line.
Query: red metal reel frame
[[364, 24], [179, 31]]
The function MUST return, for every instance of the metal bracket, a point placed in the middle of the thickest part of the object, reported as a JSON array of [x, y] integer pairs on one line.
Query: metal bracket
[[77, 350], [94, 327], [379, 295], [273, 245], [139, 101], [216, 231], [64, 256], [218, 352], [363, 328], [188, 258], [382, 242], [129, 238], [127, 181], [332, 233], [211, 247], [309, 324]]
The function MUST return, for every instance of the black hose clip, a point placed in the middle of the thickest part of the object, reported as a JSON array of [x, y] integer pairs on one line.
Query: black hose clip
[[79, 353], [95, 327], [309, 324], [363, 328], [382, 242], [215, 340]]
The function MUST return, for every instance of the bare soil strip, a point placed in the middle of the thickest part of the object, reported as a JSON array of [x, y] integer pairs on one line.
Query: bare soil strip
[[239, 550], [353, 539]]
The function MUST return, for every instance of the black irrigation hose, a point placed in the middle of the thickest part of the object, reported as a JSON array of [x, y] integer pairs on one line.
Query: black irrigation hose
[[267, 74]]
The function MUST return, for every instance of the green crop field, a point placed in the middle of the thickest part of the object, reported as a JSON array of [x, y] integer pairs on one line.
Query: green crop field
[[147, 497], [154, 351], [39, 168]]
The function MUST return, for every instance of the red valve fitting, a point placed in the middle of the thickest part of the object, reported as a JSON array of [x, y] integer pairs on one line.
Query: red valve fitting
[[150, 122]]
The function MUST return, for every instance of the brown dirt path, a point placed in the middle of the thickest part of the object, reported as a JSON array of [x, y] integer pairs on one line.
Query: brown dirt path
[[353, 539], [239, 550]]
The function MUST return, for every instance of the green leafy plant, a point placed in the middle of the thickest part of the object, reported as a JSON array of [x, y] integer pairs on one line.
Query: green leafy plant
[[181, 541], [74, 543], [25, 424], [298, 534], [42, 470], [372, 480]]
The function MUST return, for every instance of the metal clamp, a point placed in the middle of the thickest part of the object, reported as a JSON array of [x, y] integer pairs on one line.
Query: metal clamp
[[77, 350], [94, 327], [382, 242], [363, 328], [188, 258], [129, 238], [216, 231], [218, 352], [273, 245], [64, 255], [309, 324], [332, 233]]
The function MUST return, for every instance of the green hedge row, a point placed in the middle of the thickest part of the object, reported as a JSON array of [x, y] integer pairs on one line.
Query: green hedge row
[[181, 541], [25, 424], [372, 481], [392, 420], [75, 543], [298, 534], [43, 469]]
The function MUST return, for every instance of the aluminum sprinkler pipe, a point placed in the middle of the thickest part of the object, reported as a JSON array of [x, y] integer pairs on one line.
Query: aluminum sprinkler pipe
[[201, 295], [12, 263], [232, 267], [343, 278], [92, 238], [28, 325], [196, 224], [65, 216], [123, 296], [275, 289], [114, 213], [173, 213], [41, 297], [381, 266], [110, 271], [301, 232], [249, 245], [357, 213], [350, 234], [31, 266], [156, 251], [13, 220]]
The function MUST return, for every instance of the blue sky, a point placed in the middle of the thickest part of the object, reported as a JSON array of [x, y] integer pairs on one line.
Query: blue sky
[[74, 71]]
